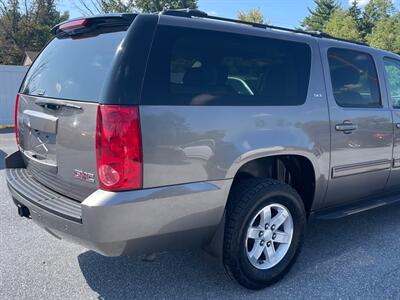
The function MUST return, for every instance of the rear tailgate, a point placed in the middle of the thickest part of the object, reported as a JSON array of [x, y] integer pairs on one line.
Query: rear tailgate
[[58, 106], [58, 143]]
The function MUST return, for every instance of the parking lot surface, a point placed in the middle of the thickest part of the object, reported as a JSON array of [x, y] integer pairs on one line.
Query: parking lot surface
[[356, 257]]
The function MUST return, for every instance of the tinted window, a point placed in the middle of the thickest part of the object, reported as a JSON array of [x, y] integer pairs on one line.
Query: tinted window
[[392, 68], [73, 69], [199, 67], [354, 78]]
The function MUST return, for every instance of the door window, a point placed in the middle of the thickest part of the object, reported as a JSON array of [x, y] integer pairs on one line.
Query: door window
[[392, 68], [354, 78]]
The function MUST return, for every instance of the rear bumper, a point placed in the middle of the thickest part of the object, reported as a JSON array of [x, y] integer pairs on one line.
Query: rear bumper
[[125, 223]]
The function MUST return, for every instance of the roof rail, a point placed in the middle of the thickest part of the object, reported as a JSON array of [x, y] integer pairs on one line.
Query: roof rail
[[189, 13]]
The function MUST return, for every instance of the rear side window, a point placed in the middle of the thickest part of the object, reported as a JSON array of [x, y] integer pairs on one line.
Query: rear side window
[[73, 68], [392, 68], [200, 67], [354, 78]]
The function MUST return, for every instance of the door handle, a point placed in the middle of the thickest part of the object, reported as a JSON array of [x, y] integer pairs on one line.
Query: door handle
[[346, 127], [398, 125]]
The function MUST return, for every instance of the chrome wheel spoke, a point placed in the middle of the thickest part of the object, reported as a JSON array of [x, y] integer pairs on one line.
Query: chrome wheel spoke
[[265, 216], [254, 233], [269, 253], [280, 218], [282, 237], [256, 252]]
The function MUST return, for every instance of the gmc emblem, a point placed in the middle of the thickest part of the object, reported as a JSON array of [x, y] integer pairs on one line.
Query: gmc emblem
[[84, 176]]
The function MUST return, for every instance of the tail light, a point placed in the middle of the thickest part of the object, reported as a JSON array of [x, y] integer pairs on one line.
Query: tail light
[[118, 148], [74, 24], [16, 118]]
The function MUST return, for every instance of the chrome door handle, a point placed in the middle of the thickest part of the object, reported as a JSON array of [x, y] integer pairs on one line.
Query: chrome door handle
[[346, 127], [398, 125]]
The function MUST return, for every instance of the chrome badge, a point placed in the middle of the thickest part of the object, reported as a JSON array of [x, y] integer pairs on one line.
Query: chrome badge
[[84, 176]]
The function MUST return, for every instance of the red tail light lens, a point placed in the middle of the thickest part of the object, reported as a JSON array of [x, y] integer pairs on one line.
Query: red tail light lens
[[71, 25], [118, 148], [16, 118]]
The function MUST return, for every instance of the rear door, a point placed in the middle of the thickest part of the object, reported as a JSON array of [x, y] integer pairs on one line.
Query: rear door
[[392, 74], [57, 109], [361, 125]]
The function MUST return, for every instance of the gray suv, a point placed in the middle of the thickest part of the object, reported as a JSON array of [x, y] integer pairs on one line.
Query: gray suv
[[139, 133]]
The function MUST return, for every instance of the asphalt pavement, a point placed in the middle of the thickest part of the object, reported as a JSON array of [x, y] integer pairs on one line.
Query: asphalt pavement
[[355, 257]]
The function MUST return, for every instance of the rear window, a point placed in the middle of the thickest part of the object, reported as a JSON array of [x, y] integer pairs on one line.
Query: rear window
[[201, 67], [73, 68]]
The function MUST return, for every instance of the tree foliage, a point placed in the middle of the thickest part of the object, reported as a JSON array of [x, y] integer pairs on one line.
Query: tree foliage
[[356, 14], [25, 26], [342, 25], [385, 34], [95, 7], [158, 5], [253, 15], [375, 11], [112, 6], [378, 23], [318, 17]]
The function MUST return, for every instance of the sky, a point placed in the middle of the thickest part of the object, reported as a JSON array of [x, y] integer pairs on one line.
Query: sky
[[287, 13]]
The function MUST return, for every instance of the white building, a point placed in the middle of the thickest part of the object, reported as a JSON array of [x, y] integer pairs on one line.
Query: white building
[[10, 81]]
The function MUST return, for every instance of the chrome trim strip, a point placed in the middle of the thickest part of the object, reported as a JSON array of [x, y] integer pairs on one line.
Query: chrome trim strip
[[360, 168]]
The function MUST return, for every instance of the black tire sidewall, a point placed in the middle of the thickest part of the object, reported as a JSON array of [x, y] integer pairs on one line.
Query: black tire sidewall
[[276, 194]]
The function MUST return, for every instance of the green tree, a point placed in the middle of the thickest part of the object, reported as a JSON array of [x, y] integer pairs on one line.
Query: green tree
[[356, 13], [253, 15], [385, 34], [342, 25], [25, 26], [112, 6], [375, 11], [320, 15], [116, 6], [159, 5]]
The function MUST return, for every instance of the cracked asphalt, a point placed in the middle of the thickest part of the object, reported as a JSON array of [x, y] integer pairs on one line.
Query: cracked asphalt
[[356, 257]]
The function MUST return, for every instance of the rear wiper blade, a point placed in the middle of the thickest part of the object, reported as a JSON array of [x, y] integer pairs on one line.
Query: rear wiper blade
[[56, 104]]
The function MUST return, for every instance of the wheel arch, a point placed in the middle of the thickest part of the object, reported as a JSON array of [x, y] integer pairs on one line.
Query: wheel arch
[[303, 165], [257, 158]]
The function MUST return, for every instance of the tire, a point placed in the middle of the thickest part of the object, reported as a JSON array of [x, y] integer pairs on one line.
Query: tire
[[249, 201]]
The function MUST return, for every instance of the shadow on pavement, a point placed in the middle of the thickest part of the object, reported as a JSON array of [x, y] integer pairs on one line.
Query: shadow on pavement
[[167, 276], [4, 144], [346, 248]]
